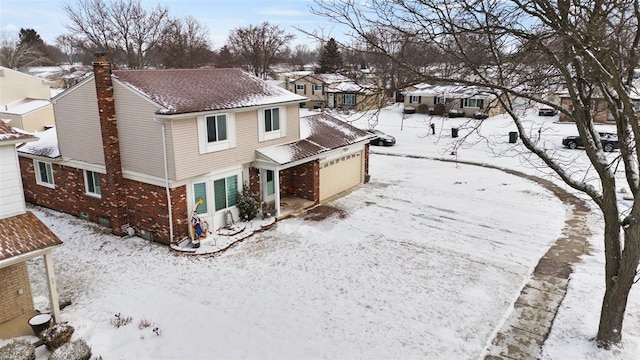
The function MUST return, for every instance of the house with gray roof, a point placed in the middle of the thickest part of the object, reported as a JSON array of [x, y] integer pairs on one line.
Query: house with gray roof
[[139, 151], [22, 237]]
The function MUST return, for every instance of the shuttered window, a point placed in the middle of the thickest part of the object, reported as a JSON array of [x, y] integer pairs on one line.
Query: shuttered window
[[200, 192], [226, 192]]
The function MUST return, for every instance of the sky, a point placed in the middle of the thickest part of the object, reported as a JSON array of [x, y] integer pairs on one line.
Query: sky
[[48, 17], [434, 278]]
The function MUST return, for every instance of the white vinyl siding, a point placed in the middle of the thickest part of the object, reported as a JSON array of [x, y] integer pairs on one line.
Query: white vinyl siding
[[216, 132], [44, 173], [11, 191]]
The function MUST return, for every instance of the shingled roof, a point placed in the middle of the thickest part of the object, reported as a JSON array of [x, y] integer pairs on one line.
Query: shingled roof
[[9, 135], [22, 234], [181, 91], [320, 133]]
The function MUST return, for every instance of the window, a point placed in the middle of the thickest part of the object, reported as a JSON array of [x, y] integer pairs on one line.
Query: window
[[226, 192], [216, 132], [349, 99], [44, 173], [200, 192], [438, 100], [272, 119], [414, 99], [272, 123], [473, 103], [299, 87], [92, 182], [317, 88]]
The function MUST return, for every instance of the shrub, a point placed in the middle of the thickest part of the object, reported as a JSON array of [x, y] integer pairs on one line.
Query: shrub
[[75, 350], [120, 320], [422, 109], [248, 203], [58, 335], [18, 350]]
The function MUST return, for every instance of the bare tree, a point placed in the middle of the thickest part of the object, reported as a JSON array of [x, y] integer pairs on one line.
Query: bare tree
[[529, 48], [185, 44], [258, 46], [122, 28], [16, 54]]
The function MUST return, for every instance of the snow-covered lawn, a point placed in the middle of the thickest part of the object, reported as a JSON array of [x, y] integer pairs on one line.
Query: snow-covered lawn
[[426, 264]]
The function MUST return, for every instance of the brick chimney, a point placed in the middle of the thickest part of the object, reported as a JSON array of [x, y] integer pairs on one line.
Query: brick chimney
[[114, 197]]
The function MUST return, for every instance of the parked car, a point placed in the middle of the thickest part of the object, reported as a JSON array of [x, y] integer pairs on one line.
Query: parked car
[[318, 105], [547, 112], [479, 115], [381, 138], [609, 141], [455, 113]]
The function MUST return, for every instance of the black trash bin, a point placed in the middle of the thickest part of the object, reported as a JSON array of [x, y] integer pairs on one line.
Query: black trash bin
[[454, 132], [40, 323], [513, 137]]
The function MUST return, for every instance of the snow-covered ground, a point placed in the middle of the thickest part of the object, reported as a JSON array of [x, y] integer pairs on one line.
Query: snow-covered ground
[[426, 264]]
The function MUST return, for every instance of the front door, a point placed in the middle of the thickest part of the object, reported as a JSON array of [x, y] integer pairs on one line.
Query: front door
[[331, 100], [269, 189]]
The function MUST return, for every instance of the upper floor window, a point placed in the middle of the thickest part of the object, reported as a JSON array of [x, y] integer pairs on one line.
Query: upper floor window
[[349, 99], [92, 183], [44, 173], [299, 87], [271, 123], [317, 87], [414, 99], [216, 132]]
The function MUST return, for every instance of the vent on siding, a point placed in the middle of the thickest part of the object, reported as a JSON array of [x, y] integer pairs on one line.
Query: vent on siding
[[84, 215], [147, 235]]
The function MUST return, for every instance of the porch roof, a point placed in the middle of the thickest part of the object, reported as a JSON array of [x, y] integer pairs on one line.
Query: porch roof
[[320, 133], [23, 234]]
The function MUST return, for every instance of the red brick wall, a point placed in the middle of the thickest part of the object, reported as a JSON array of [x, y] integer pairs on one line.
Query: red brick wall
[[15, 292], [305, 181], [146, 204], [254, 180]]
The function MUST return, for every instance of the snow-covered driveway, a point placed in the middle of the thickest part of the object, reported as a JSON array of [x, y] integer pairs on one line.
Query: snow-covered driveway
[[426, 263]]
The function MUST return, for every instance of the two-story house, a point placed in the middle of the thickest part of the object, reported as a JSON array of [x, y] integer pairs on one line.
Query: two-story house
[[138, 149], [24, 101], [440, 99], [22, 237], [336, 91]]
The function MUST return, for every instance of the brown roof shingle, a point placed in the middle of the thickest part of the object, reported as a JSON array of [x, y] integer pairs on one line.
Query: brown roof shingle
[[181, 91], [24, 233], [7, 133]]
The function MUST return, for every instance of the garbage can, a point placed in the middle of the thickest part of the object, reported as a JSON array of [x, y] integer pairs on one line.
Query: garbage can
[[40, 323], [454, 132], [513, 137]]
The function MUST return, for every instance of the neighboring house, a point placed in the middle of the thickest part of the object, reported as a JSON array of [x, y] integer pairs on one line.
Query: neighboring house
[[22, 237], [336, 91], [24, 101], [468, 99], [599, 107], [139, 148]]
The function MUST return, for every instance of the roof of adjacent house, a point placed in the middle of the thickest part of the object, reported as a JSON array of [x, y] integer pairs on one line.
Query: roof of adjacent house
[[327, 78], [10, 135], [451, 91], [24, 233], [24, 106], [320, 133], [181, 91], [46, 146]]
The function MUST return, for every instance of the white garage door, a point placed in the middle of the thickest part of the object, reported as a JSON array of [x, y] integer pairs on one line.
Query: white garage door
[[340, 174]]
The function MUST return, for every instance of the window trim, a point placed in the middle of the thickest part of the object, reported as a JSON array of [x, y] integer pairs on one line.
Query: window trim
[[344, 99], [414, 99], [300, 87], [264, 135], [87, 191], [204, 145], [318, 88], [38, 172]]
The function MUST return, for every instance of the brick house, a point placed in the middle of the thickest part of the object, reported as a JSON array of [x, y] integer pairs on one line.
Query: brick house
[[336, 91], [468, 99], [138, 149], [22, 237]]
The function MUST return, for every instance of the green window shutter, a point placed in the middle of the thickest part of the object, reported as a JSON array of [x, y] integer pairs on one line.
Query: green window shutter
[[220, 195], [200, 192], [232, 190]]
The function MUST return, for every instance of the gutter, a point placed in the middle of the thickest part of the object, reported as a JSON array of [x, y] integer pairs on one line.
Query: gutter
[[166, 177]]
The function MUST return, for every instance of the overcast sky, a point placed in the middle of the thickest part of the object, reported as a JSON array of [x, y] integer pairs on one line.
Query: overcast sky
[[48, 18]]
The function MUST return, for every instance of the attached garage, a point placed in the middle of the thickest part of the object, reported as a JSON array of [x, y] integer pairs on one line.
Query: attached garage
[[340, 174]]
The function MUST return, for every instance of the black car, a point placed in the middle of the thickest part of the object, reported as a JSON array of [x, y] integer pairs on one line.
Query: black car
[[381, 138], [609, 141], [547, 112]]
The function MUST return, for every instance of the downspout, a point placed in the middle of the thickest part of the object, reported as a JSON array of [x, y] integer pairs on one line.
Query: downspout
[[166, 177]]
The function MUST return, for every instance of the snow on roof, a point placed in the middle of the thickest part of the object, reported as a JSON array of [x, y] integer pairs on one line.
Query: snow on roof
[[23, 106], [181, 91], [333, 78], [320, 133], [347, 87], [7, 133], [46, 145], [24, 233], [451, 91]]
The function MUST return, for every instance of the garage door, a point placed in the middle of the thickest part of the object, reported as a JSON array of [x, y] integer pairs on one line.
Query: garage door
[[340, 174]]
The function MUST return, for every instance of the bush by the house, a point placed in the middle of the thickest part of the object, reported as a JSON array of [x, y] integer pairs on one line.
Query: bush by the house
[[75, 350], [422, 109], [248, 203], [18, 350], [58, 335]]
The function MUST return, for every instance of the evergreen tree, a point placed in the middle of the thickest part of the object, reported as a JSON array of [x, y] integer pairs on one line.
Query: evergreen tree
[[330, 58]]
